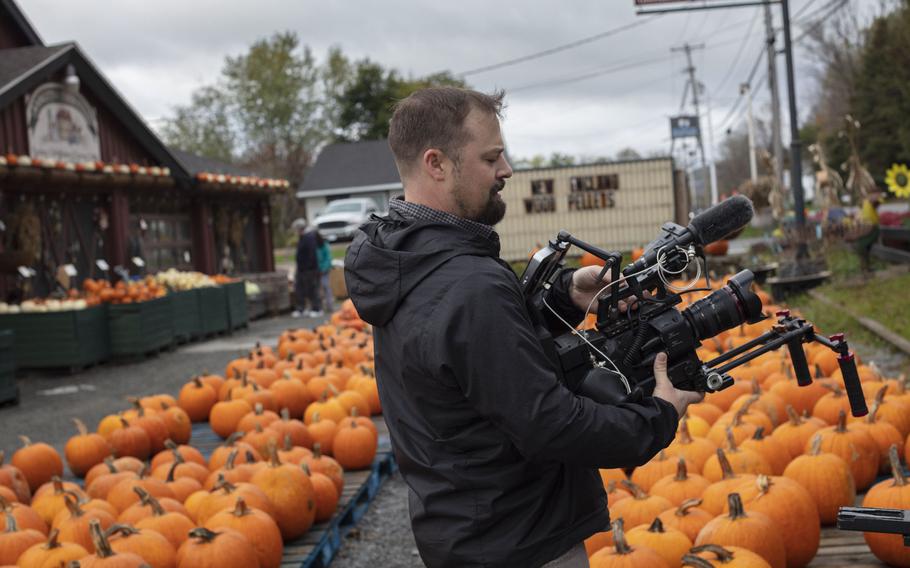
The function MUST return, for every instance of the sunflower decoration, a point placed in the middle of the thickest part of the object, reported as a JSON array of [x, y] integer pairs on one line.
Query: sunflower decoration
[[898, 180]]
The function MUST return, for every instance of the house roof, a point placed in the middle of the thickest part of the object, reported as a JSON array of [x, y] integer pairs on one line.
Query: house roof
[[10, 11], [23, 69], [351, 165]]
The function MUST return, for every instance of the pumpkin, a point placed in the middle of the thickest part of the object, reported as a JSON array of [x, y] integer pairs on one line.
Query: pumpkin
[[855, 446], [325, 465], [726, 556], [178, 424], [354, 446], [225, 495], [225, 415], [741, 460], [641, 508], [894, 410], [892, 493], [752, 531], [775, 453], [146, 505], [715, 496], [705, 410], [802, 399], [829, 407], [796, 432], [670, 543], [197, 399], [150, 545], [322, 430], [130, 440], [124, 464], [826, 477], [51, 554], [13, 542], [289, 453], [257, 417], [75, 528], [792, 510], [124, 494], [681, 486], [221, 454], [291, 394], [154, 427], [767, 402], [105, 557], [85, 450], [259, 528], [171, 524], [37, 462], [51, 503], [179, 467], [291, 494], [26, 517], [884, 434], [225, 548], [12, 477], [188, 453], [325, 494], [622, 555], [687, 518], [84, 505]]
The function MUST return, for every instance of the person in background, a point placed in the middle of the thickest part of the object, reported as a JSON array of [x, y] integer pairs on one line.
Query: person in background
[[868, 215], [306, 279], [324, 261]]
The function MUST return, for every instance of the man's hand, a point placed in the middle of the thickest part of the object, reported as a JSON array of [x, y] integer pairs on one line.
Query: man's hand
[[663, 388], [585, 286]]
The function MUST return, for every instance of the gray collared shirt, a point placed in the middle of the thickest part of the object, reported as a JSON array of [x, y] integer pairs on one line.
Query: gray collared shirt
[[417, 211]]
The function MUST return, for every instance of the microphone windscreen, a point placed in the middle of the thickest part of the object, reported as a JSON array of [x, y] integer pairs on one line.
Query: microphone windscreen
[[719, 221]]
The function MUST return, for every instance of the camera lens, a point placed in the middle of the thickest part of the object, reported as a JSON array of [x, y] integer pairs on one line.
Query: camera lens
[[726, 308]]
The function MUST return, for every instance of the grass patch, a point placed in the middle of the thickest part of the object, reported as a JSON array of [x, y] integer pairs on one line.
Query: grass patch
[[829, 322]]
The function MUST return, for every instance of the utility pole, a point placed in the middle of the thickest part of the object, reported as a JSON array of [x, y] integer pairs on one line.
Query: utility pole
[[777, 147], [796, 152], [690, 69], [746, 89], [713, 168]]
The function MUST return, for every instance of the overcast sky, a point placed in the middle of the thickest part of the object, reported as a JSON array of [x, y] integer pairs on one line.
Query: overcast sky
[[157, 53]]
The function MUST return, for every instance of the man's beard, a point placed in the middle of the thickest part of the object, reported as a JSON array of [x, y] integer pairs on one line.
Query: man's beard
[[494, 209]]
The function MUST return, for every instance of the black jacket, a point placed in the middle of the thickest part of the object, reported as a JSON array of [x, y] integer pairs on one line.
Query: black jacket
[[499, 457], [306, 252]]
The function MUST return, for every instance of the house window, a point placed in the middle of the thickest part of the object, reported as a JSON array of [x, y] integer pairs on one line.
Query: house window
[[161, 240], [542, 199]]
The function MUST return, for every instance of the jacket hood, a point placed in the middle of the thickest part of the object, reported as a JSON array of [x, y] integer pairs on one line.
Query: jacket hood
[[391, 255]]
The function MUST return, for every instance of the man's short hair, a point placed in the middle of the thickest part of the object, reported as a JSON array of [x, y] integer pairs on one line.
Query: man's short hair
[[434, 118]]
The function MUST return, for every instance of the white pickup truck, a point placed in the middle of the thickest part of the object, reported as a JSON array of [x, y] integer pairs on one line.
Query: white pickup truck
[[340, 218]]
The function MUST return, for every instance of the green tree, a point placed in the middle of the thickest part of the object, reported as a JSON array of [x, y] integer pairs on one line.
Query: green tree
[[203, 127]]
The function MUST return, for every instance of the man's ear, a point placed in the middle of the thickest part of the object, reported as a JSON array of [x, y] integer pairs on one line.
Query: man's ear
[[435, 164]]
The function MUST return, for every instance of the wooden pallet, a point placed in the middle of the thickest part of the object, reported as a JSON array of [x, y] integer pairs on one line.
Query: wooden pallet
[[844, 549]]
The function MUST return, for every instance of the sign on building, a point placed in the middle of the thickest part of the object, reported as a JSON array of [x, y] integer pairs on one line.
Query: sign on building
[[61, 125], [684, 127]]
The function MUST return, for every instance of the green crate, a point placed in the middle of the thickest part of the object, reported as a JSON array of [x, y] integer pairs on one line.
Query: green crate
[[71, 338], [236, 304], [186, 318], [213, 310], [140, 328], [8, 390]]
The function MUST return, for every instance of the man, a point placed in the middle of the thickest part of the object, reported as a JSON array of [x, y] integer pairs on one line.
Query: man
[[306, 278], [500, 459], [324, 264], [868, 216]]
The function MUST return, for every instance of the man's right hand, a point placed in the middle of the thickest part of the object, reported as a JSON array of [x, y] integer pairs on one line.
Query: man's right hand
[[664, 389]]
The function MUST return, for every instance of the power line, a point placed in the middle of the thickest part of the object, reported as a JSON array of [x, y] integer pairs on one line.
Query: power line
[[739, 54], [559, 48]]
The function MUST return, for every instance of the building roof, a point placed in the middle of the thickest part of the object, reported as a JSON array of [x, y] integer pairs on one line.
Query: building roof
[[19, 63], [350, 165], [11, 12]]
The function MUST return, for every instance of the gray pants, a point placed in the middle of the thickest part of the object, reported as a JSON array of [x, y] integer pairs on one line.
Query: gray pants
[[575, 558]]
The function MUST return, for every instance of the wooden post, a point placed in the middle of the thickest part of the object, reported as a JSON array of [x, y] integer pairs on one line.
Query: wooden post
[[264, 236], [119, 229], [203, 237]]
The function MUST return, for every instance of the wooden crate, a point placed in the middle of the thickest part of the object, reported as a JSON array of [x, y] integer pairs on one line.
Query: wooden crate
[[186, 315], [141, 328], [236, 304], [8, 390], [66, 339]]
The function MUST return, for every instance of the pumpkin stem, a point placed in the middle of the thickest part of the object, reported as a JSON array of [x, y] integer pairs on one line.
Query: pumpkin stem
[[109, 462], [224, 484], [173, 470], [735, 503], [257, 410], [900, 480], [683, 509], [317, 450], [80, 426], [681, 473], [731, 439], [58, 485], [288, 446], [273, 453], [354, 412], [198, 382], [4, 504], [764, 483], [759, 433], [72, 504], [285, 414], [619, 538], [870, 418], [102, 546], [685, 437], [203, 534], [725, 467], [880, 395], [11, 525], [52, 540], [720, 552], [841, 422], [816, 447], [232, 457], [657, 526], [241, 509], [171, 445], [695, 561], [26, 441], [2, 457], [123, 422], [637, 492], [232, 439], [125, 530], [795, 420]]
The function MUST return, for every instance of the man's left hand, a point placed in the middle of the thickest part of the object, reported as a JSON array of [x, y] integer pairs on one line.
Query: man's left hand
[[585, 286]]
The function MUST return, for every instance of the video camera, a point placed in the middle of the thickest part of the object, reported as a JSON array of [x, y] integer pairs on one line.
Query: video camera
[[613, 362]]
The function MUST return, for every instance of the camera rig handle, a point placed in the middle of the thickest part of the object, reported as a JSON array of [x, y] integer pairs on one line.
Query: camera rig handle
[[868, 519], [793, 332]]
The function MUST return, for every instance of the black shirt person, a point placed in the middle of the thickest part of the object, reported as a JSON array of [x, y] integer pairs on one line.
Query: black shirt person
[[500, 459]]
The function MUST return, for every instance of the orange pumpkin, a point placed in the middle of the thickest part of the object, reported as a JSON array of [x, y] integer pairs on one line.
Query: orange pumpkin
[[687, 518], [752, 531], [85, 450], [37, 462], [52, 553], [258, 528], [13, 542], [226, 548], [892, 493], [291, 494], [622, 555], [826, 477], [670, 543]]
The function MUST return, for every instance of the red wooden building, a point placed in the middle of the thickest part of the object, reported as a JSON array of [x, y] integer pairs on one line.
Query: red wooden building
[[83, 179]]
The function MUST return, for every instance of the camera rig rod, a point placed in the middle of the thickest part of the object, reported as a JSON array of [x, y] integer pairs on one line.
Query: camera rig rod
[[868, 519], [792, 332]]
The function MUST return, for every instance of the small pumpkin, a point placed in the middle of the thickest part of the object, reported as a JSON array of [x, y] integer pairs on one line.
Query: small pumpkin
[[171, 524], [682, 486], [13, 542], [855, 446], [753, 531], [105, 557], [259, 528], [891, 493], [197, 399], [796, 432], [150, 545], [711, 555], [687, 518], [85, 450], [12, 477], [222, 549], [291, 494], [622, 555], [354, 446], [826, 477], [670, 543], [52, 553], [38, 462], [715, 496], [325, 494], [641, 508]]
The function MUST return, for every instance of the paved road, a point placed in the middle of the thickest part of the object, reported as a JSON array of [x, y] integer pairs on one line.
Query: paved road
[[49, 401]]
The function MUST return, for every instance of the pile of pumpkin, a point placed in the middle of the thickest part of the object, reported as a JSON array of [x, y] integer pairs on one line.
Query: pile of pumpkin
[[101, 291], [757, 469], [292, 424]]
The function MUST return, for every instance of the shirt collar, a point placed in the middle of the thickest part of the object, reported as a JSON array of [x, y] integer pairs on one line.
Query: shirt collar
[[417, 211]]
